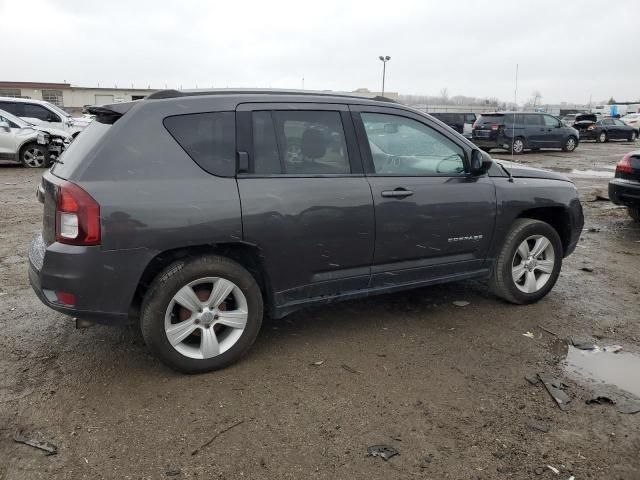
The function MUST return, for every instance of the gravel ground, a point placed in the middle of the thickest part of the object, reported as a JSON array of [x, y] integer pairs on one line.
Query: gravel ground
[[442, 384]]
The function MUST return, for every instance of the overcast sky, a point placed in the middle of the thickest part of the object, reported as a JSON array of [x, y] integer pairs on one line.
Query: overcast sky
[[568, 50]]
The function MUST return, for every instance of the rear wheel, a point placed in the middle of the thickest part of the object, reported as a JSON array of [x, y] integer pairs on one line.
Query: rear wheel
[[201, 314], [517, 146], [602, 137], [34, 155], [570, 144], [528, 263], [634, 212]]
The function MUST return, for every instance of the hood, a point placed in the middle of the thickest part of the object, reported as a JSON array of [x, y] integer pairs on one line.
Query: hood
[[51, 131], [518, 170], [586, 117]]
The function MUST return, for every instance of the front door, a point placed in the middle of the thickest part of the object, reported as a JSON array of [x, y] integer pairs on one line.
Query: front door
[[554, 135], [433, 220], [306, 203]]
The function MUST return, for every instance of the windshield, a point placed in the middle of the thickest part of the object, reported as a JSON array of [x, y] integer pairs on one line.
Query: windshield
[[58, 110], [13, 119]]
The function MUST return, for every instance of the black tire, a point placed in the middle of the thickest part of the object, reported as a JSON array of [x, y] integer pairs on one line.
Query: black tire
[[634, 212], [517, 146], [633, 136], [34, 155], [602, 137], [501, 281], [167, 284], [570, 144], [485, 149]]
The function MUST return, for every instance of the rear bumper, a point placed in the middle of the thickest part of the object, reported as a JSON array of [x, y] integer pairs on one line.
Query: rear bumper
[[103, 283], [624, 192]]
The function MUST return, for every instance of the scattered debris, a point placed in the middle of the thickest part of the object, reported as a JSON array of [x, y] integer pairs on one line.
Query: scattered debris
[[532, 379], [555, 388], [571, 478], [528, 334], [539, 426], [224, 430], [553, 469], [349, 369], [624, 402], [50, 448], [384, 451], [582, 343], [594, 229], [539, 471], [548, 331], [318, 363], [173, 472], [587, 269], [426, 460], [461, 303], [613, 348]]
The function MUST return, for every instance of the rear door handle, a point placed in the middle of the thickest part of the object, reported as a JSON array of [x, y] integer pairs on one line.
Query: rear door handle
[[397, 193]]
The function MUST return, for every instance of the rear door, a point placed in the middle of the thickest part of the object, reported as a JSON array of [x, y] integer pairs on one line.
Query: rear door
[[623, 130], [554, 133], [305, 200], [535, 130], [433, 220]]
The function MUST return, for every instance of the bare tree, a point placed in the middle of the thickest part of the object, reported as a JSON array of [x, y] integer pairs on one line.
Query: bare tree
[[444, 95]]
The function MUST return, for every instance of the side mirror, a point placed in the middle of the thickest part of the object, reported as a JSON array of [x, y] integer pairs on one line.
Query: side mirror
[[480, 162], [5, 126]]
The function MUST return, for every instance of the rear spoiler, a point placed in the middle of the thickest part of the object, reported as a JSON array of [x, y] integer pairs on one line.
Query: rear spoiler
[[109, 113]]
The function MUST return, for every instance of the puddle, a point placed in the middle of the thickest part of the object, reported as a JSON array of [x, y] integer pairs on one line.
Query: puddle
[[592, 173], [599, 367]]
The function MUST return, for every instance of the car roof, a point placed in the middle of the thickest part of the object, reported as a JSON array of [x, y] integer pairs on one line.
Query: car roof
[[23, 100]]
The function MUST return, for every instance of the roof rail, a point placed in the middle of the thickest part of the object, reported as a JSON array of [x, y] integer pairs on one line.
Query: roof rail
[[164, 94]]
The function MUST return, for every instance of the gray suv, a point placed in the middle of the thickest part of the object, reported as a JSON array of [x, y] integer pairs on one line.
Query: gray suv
[[195, 213]]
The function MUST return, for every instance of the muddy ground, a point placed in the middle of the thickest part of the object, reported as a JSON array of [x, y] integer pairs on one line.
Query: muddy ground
[[442, 384]]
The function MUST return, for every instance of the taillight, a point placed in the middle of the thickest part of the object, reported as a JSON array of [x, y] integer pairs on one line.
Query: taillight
[[624, 165], [77, 216]]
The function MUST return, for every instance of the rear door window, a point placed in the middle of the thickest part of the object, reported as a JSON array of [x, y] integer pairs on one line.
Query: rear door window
[[299, 142], [208, 138], [11, 107], [533, 120]]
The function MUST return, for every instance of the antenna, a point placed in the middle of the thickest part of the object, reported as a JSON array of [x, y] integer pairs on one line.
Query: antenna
[[515, 109]]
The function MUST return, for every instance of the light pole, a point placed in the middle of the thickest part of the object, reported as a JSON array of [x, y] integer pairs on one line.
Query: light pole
[[384, 60]]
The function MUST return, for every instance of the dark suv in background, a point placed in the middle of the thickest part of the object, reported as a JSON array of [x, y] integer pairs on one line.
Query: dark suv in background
[[193, 213], [460, 122], [522, 131]]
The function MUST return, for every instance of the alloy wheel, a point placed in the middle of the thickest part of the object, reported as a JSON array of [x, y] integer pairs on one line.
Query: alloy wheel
[[533, 264], [571, 144], [518, 145], [33, 157], [206, 317]]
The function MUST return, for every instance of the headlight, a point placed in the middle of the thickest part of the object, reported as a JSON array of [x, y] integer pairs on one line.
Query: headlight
[[42, 138]]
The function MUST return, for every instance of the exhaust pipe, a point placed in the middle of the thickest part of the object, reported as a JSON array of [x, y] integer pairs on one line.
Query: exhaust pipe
[[81, 323]]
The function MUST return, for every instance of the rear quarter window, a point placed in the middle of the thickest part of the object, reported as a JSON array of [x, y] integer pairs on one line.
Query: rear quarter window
[[208, 138]]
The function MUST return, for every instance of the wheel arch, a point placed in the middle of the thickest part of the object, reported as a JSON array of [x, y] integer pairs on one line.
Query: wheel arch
[[247, 255], [556, 216]]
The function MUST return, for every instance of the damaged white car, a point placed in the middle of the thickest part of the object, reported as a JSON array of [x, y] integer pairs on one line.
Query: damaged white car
[[32, 145]]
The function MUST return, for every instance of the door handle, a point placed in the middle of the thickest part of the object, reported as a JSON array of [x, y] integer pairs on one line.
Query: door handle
[[397, 193]]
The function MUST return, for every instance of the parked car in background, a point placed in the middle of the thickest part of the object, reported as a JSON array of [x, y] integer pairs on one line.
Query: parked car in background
[[522, 131], [569, 119], [212, 208], [632, 119], [32, 145], [605, 129], [624, 188], [43, 113], [460, 122]]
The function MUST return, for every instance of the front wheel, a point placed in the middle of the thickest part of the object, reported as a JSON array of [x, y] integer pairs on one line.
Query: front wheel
[[529, 262], [517, 146], [201, 314], [570, 144], [633, 136], [34, 155]]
